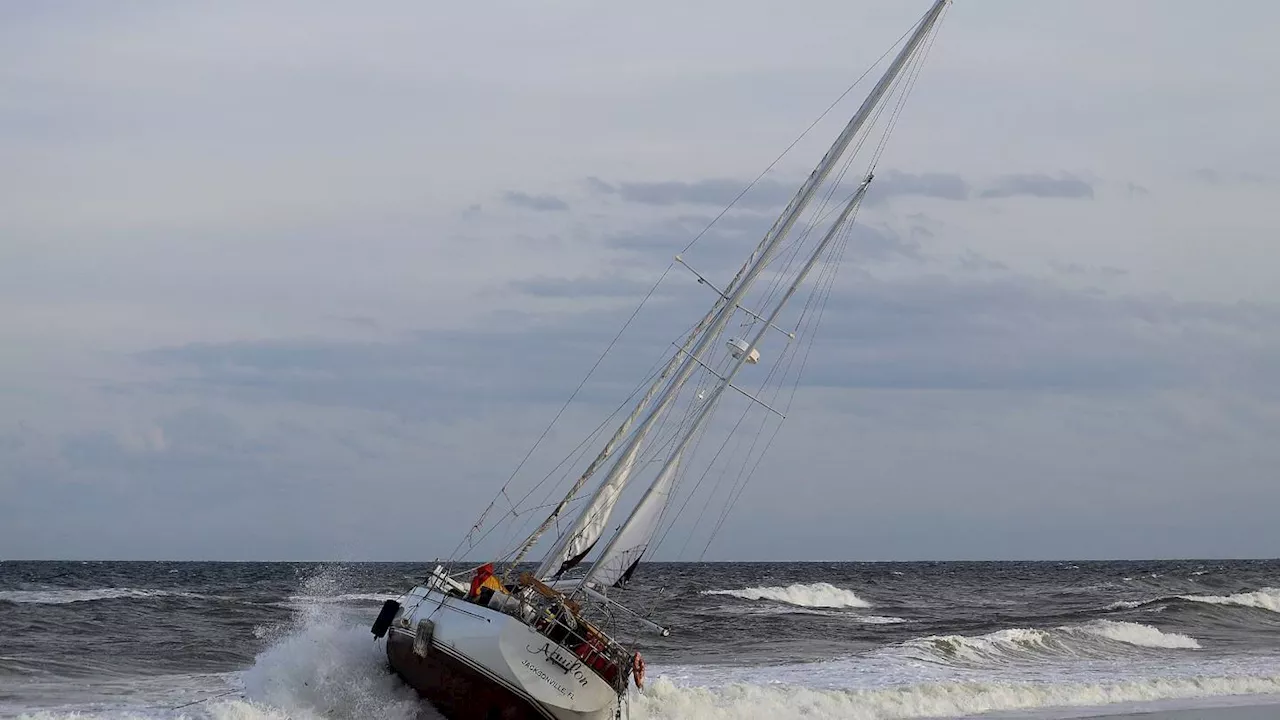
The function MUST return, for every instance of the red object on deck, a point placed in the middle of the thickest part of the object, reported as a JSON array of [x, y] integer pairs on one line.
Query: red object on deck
[[484, 572]]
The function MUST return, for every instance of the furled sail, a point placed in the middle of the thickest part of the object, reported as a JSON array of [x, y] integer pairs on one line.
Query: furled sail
[[619, 560], [627, 546], [591, 522]]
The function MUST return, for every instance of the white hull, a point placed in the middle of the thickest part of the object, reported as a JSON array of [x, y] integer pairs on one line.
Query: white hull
[[474, 661]]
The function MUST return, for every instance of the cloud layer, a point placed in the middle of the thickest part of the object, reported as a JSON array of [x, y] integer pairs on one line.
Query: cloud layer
[[315, 298]]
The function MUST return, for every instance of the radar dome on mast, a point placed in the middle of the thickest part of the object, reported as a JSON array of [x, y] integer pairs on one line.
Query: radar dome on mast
[[738, 347]]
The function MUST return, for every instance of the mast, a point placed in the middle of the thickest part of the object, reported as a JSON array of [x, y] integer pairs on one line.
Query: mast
[[594, 505], [584, 518], [591, 519], [759, 260], [642, 522]]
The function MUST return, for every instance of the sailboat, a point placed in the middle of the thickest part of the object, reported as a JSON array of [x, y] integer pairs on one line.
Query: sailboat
[[498, 641]]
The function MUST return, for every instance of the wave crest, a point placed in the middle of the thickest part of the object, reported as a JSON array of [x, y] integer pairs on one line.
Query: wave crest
[[820, 595], [1267, 598], [1140, 635], [1096, 638]]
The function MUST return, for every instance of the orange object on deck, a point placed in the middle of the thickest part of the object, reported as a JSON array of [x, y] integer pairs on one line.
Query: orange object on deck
[[483, 575]]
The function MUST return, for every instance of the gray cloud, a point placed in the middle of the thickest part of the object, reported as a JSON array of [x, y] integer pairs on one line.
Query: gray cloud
[[533, 202], [722, 244], [923, 333], [769, 194], [893, 183], [891, 354], [172, 275], [1035, 185], [581, 287], [717, 192], [1019, 334], [1237, 177], [976, 262]]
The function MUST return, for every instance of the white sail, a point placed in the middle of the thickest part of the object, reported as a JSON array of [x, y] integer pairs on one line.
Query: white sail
[[574, 545], [591, 522], [556, 557], [619, 561]]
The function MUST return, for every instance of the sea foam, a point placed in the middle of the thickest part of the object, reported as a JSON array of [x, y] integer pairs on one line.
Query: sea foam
[[663, 700], [814, 595], [1098, 639], [1265, 599]]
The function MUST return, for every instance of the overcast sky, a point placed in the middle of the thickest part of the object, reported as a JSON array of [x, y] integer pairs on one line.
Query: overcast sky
[[304, 281]]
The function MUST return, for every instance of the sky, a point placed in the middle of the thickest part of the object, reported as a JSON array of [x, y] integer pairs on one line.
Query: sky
[[293, 281]]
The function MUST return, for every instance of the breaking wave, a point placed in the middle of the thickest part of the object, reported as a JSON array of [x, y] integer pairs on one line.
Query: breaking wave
[[1097, 638], [1267, 598], [320, 666], [1140, 635], [663, 700], [813, 595], [63, 597]]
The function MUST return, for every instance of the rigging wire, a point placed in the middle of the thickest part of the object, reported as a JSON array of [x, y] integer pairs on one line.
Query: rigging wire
[[503, 492], [913, 75], [776, 286], [580, 448]]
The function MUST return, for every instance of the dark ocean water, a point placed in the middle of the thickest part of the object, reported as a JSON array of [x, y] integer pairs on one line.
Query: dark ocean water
[[766, 640]]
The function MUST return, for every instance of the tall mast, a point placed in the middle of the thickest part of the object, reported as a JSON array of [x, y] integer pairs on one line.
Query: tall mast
[[761, 259], [596, 511], [646, 512], [556, 554]]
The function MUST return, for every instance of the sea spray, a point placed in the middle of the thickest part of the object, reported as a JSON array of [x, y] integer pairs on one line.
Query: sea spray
[[323, 665]]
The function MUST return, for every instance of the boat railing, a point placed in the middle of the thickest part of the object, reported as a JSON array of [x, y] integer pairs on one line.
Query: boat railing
[[555, 616], [559, 618]]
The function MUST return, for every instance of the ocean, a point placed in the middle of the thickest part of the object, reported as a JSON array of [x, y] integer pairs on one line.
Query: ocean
[[749, 640]]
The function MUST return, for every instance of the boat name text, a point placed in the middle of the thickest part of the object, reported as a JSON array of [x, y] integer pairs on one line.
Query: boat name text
[[568, 663]]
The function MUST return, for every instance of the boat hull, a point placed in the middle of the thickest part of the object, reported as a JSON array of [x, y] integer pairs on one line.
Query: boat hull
[[474, 663], [456, 688]]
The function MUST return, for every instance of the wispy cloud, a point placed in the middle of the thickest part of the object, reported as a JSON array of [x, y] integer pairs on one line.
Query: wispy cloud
[[534, 202], [894, 183], [1234, 177], [717, 192], [1037, 185]]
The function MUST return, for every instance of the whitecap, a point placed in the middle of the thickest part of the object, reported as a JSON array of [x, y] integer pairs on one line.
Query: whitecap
[[820, 595], [1140, 635], [1265, 599]]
